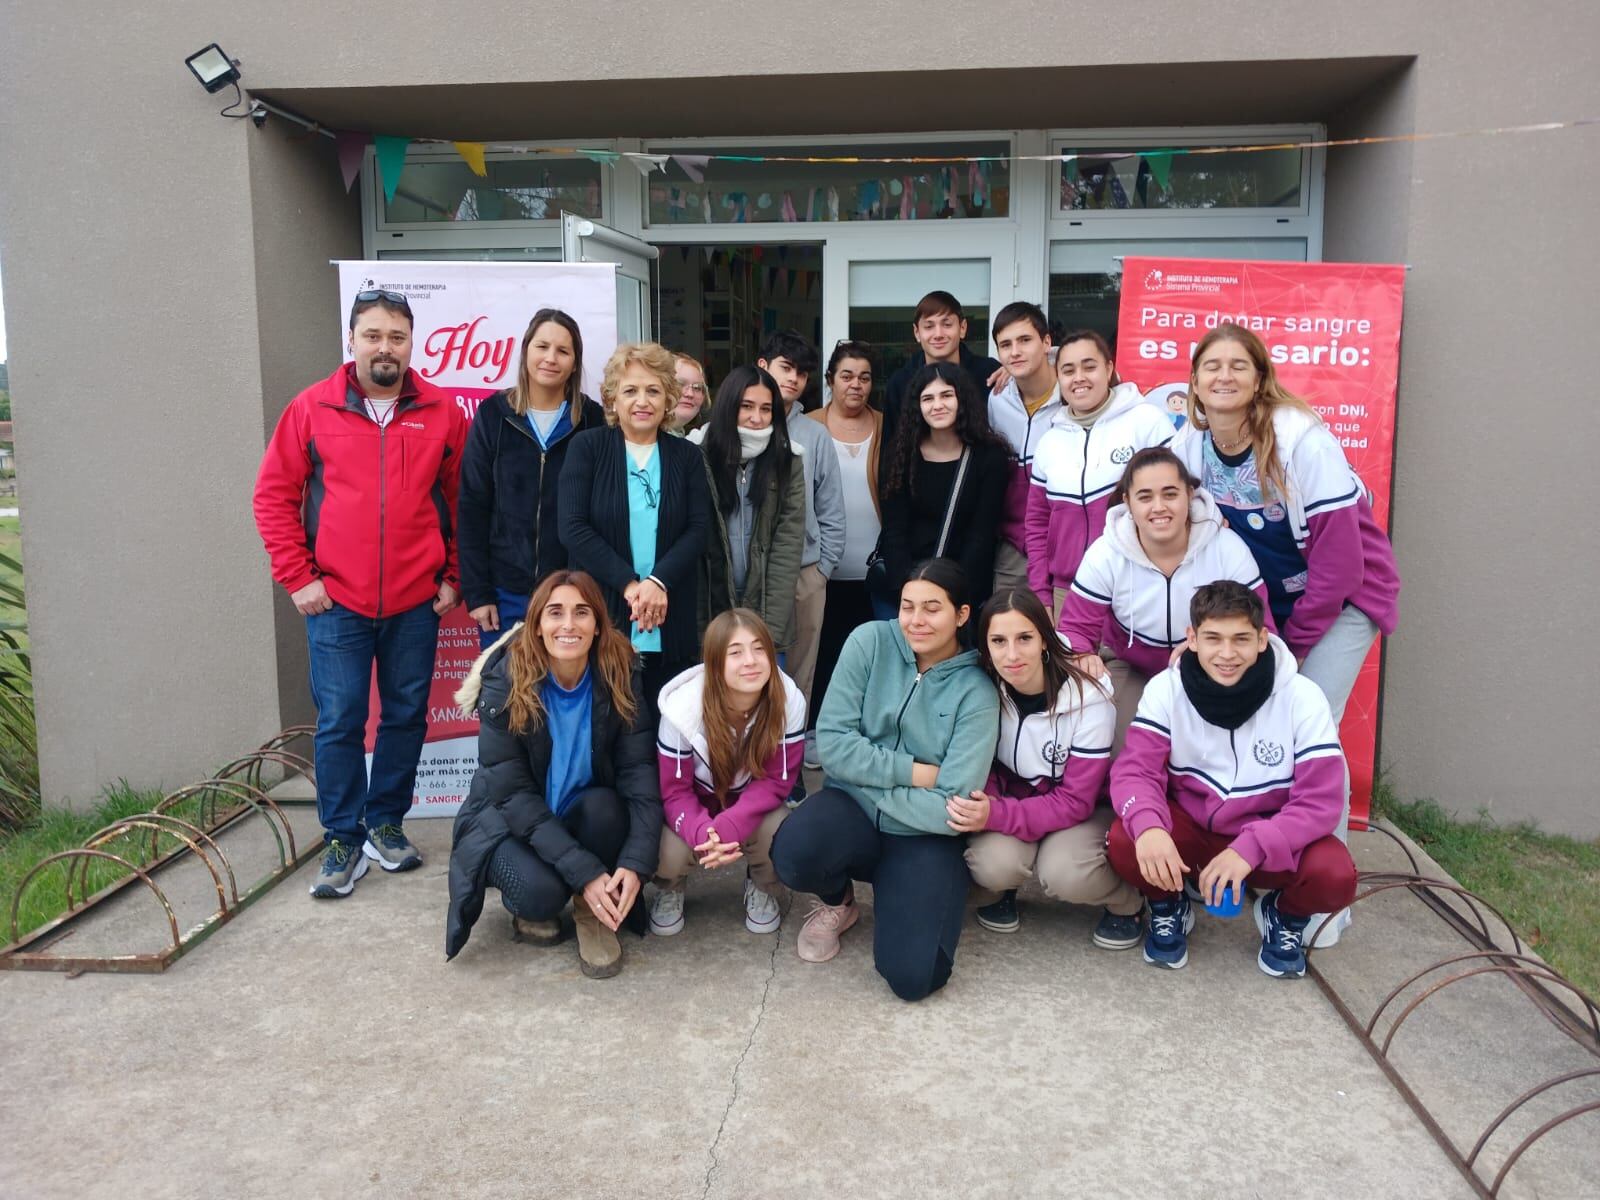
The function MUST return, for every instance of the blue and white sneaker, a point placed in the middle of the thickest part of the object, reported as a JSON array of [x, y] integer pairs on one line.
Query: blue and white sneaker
[[342, 865], [1001, 916], [1283, 954], [1166, 942], [389, 847]]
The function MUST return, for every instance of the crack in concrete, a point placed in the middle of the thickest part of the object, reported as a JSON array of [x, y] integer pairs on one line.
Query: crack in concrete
[[755, 1028]]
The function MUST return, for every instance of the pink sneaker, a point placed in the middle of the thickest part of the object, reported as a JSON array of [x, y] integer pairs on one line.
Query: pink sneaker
[[819, 936]]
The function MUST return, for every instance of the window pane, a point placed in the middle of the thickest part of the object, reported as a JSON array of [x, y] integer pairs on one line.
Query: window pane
[[1096, 181], [735, 193], [519, 189], [1086, 279]]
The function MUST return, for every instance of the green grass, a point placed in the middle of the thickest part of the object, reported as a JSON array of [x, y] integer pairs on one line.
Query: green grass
[[54, 830], [1548, 886]]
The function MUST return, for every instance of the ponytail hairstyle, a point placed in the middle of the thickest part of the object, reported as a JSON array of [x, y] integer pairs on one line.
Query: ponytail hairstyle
[[736, 744], [1270, 396], [1151, 456], [1059, 666], [721, 445], [611, 655]]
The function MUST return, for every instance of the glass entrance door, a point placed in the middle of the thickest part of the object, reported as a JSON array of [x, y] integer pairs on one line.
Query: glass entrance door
[[871, 285], [586, 241]]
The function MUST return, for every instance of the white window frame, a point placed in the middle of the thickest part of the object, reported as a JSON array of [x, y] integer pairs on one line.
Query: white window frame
[[390, 237]]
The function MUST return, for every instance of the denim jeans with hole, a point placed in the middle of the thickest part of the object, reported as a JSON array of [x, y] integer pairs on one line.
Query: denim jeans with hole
[[344, 646]]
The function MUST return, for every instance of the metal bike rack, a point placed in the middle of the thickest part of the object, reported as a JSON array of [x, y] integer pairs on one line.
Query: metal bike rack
[[233, 794], [1566, 1006]]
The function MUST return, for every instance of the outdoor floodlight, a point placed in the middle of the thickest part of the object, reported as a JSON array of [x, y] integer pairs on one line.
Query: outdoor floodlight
[[213, 68]]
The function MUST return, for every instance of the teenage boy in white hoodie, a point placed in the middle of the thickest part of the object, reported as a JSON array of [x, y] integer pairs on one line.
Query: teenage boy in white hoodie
[[1232, 770], [1021, 412]]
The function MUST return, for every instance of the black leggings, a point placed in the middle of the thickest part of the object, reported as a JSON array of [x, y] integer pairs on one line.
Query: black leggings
[[919, 885], [529, 886], [847, 606]]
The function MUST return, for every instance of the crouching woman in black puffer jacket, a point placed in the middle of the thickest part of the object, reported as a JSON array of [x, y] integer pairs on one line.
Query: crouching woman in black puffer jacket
[[566, 801]]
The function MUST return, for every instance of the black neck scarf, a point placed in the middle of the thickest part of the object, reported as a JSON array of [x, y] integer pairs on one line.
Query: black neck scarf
[[1228, 707]]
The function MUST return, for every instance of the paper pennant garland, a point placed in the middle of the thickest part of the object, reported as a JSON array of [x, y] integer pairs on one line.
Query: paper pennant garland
[[1160, 164], [472, 154], [391, 161], [351, 146], [693, 165]]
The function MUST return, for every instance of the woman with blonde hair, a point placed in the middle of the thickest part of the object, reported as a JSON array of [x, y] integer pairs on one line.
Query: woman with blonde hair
[[565, 801], [510, 471], [729, 752], [634, 509], [694, 391]]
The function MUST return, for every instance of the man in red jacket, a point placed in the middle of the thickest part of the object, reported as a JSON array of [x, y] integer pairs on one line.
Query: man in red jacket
[[356, 503]]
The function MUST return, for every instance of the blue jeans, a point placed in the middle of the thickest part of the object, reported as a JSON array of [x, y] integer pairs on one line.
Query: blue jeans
[[344, 645]]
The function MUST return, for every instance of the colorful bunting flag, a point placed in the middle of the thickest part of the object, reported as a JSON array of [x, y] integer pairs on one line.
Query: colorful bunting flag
[[472, 154], [391, 161], [693, 165], [351, 146]]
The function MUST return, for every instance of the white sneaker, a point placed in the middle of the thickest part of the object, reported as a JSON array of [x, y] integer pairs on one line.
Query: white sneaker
[[1337, 923], [812, 758], [761, 913], [666, 912]]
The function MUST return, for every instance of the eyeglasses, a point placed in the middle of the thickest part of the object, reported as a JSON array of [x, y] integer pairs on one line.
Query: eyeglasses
[[375, 294], [644, 481], [693, 387]]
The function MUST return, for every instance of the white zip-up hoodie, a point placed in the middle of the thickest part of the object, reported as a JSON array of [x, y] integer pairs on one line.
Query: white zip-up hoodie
[[1009, 417], [1075, 470], [1050, 767], [1122, 598], [684, 761]]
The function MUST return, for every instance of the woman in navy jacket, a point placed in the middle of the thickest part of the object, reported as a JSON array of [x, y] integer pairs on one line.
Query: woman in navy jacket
[[508, 527], [634, 506]]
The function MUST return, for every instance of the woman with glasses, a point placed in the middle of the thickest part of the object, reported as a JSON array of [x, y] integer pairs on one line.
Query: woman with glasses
[[511, 469], [634, 508], [689, 413], [758, 505]]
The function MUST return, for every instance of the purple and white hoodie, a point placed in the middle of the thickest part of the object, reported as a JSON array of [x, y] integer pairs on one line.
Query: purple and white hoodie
[[1075, 471], [1050, 767], [683, 762], [1010, 418], [1348, 558], [1121, 598], [1275, 784]]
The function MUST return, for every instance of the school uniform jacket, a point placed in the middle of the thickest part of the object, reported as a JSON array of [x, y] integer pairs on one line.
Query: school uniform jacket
[[684, 762], [1348, 558], [1275, 784], [1011, 420], [1123, 600], [1049, 767], [1075, 471]]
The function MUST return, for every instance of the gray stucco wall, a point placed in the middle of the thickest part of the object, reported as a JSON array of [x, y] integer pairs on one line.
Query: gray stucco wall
[[140, 420]]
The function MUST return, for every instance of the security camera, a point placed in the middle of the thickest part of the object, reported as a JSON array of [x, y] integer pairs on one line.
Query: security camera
[[258, 114]]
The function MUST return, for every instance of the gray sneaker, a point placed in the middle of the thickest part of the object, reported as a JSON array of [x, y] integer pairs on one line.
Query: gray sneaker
[[341, 866], [390, 849]]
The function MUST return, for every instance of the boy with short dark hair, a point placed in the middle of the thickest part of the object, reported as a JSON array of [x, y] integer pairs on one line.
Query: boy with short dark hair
[[940, 329], [1022, 413], [1232, 770]]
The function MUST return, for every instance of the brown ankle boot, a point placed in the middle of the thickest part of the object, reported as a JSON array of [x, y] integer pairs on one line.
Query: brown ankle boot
[[599, 952], [538, 933]]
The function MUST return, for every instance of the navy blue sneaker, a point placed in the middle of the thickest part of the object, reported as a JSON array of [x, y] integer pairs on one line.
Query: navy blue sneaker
[[1166, 943], [1001, 916], [1283, 954], [1116, 932]]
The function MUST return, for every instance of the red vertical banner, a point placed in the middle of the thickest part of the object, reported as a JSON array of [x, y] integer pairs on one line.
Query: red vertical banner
[[1333, 330]]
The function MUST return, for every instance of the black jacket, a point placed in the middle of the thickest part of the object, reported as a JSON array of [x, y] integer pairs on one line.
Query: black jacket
[[594, 529], [894, 393], [507, 796], [911, 523], [508, 531]]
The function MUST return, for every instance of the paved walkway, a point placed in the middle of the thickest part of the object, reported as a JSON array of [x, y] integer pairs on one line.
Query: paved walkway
[[327, 1049]]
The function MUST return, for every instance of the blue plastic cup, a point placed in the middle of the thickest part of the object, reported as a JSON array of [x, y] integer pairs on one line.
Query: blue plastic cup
[[1232, 902]]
